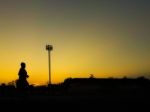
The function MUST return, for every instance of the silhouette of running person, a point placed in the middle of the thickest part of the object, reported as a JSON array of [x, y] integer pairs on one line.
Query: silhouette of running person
[[22, 82]]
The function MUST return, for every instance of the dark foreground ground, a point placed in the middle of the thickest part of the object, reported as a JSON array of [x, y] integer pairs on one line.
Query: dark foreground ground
[[108, 101], [94, 95]]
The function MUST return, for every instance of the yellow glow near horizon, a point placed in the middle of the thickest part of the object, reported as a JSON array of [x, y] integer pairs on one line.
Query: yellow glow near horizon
[[88, 38]]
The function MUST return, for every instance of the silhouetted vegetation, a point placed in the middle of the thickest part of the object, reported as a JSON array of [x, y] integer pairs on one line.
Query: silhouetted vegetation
[[82, 91], [86, 86]]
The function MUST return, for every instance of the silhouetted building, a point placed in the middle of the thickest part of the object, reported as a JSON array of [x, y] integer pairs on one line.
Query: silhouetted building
[[98, 85]]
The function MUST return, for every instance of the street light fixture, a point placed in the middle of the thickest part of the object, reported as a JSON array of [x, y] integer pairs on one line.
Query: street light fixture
[[49, 48]]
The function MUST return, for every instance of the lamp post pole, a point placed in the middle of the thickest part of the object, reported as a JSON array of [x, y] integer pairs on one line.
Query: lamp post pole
[[49, 48]]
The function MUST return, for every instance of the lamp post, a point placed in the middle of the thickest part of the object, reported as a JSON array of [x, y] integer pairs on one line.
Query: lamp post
[[49, 48]]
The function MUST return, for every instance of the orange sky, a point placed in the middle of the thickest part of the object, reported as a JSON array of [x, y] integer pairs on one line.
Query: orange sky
[[107, 39]]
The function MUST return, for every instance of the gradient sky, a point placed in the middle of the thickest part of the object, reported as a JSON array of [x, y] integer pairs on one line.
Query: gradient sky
[[107, 38]]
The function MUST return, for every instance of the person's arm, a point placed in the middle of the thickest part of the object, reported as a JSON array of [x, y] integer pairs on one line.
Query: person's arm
[[27, 74]]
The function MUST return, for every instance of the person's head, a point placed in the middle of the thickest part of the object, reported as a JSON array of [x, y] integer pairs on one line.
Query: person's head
[[23, 65]]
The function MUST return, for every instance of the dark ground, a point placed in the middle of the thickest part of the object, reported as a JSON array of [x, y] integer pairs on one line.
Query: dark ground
[[123, 95], [107, 102]]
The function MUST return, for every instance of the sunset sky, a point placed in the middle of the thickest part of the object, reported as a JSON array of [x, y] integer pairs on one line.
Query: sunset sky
[[107, 38]]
